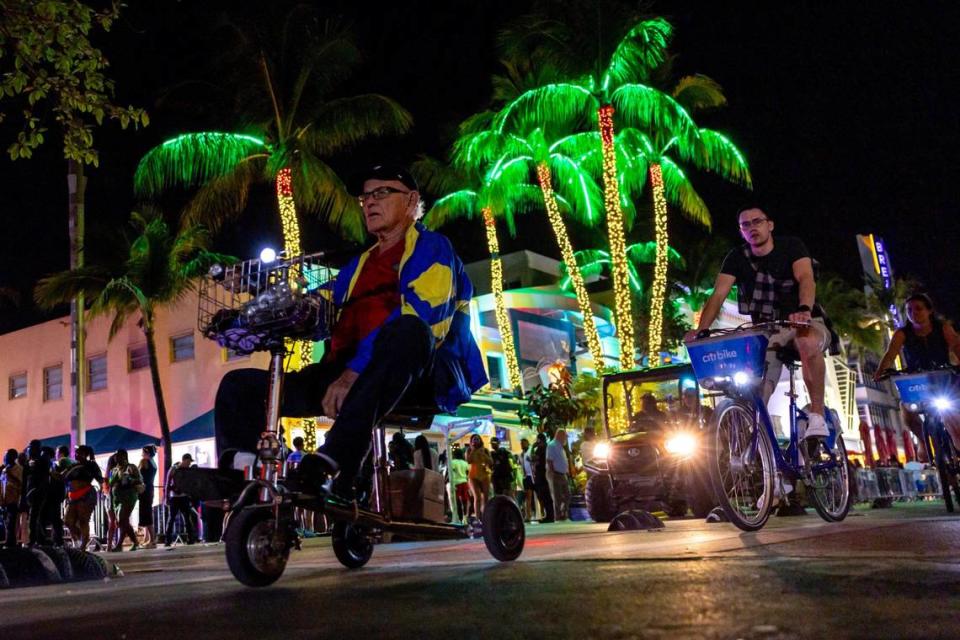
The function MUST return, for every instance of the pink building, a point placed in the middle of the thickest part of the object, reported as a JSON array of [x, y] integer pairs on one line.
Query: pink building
[[35, 363]]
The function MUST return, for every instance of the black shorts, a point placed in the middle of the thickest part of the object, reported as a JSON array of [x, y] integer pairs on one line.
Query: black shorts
[[528, 483]]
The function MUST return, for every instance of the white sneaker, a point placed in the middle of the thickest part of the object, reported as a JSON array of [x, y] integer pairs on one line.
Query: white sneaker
[[781, 488], [816, 426]]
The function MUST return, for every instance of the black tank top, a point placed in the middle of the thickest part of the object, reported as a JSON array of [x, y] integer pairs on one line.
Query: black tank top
[[926, 352]]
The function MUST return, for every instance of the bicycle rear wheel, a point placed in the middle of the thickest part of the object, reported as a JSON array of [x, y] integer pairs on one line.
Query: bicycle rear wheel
[[829, 483], [742, 478]]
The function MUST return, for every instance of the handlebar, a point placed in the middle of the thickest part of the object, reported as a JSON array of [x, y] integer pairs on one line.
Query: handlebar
[[768, 325], [893, 373]]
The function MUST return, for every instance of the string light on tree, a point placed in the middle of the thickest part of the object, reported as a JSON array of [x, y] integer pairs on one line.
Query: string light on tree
[[301, 352], [618, 245], [566, 252], [503, 320], [658, 293]]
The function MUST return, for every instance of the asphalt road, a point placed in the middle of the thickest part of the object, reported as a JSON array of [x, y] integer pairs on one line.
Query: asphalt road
[[891, 573]]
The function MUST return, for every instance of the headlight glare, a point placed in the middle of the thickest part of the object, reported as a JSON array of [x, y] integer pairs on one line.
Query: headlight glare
[[680, 444], [601, 451]]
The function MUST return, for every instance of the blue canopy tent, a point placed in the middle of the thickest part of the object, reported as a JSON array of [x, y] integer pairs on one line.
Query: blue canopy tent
[[197, 429], [107, 439]]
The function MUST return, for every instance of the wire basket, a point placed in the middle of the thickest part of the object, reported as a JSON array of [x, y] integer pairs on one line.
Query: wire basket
[[254, 305]]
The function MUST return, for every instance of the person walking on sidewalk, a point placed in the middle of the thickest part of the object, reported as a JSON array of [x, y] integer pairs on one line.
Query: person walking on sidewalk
[[558, 471]]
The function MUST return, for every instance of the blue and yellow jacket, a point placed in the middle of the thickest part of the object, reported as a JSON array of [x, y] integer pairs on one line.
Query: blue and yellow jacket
[[434, 287]]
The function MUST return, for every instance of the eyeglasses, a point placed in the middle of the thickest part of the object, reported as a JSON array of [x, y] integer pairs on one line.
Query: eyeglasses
[[378, 194], [749, 224]]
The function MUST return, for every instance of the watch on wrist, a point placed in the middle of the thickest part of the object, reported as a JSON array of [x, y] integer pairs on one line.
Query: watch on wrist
[[804, 307]]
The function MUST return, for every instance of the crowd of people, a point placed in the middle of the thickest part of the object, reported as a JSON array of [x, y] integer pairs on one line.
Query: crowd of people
[[45, 493], [539, 478]]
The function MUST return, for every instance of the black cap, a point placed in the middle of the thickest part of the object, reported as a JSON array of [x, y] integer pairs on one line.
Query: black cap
[[382, 172]]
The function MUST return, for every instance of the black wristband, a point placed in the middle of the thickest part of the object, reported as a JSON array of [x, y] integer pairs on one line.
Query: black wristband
[[804, 307]]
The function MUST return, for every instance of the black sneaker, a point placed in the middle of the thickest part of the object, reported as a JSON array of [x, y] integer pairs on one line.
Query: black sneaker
[[314, 473]]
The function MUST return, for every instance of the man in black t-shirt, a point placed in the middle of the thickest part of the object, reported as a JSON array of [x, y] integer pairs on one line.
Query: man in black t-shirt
[[775, 281]]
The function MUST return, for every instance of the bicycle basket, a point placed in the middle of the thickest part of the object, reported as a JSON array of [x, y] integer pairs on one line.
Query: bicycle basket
[[728, 354], [921, 386], [252, 305]]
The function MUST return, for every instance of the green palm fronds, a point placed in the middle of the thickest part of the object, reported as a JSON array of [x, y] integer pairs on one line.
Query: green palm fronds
[[194, 159], [699, 92], [643, 49]]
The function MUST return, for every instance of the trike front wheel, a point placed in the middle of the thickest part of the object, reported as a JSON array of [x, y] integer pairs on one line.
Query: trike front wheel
[[257, 547]]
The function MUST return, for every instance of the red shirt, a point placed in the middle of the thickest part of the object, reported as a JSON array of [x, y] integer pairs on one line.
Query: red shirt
[[375, 296]]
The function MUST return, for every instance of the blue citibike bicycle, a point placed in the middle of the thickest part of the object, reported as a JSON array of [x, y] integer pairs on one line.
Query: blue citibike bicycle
[[748, 467], [931, 394]]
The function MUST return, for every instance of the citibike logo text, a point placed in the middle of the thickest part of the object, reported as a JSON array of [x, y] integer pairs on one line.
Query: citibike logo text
[[717, 356], [916, 388]]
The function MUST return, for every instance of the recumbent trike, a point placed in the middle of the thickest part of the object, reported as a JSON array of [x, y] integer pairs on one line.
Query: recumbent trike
[[260, 305]]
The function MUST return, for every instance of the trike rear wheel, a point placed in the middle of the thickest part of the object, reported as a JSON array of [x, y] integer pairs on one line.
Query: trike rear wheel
[[351, 544]]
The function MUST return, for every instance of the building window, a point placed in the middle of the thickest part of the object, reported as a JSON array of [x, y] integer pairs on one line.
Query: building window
[[181, 348], [18, 385], [97, 372], [495, 366], [138, 357], [53, 383]]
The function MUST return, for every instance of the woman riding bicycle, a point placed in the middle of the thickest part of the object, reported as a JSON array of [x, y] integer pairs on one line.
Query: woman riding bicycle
[[926, 341]]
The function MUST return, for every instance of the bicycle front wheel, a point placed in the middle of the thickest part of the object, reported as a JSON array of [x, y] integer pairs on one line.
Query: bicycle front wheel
[[741, 465], [829, 481], [945, 458]]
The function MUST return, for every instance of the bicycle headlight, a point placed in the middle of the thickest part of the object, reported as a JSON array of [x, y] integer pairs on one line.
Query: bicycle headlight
[[680, 444], [741, 378], [942, 403], [601, 451]]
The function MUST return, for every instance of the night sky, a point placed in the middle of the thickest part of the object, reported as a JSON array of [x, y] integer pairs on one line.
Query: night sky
[[847, 115]]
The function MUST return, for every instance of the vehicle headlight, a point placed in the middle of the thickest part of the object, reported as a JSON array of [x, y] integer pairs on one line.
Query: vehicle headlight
[[942, 404], [601, 451], [741, 378], [680, 444]]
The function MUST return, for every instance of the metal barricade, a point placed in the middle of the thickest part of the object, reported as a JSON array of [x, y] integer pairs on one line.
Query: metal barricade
[[868, 488]]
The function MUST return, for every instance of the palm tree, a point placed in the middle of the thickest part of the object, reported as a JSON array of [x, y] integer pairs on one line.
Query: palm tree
[[491, 151], [620, 85], [711, 151], [159, 270], [298, 125]]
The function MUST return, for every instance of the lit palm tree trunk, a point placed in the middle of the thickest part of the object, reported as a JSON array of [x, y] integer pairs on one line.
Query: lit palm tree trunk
[[566, 252], [618, 243], [496, 284], [659, 290], [301, 352]]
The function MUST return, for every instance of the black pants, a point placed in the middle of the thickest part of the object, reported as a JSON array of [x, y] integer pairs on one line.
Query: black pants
[[401, 353], [35, 501], [53, 516], [181, 505], [542, 488], [11, 521]]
